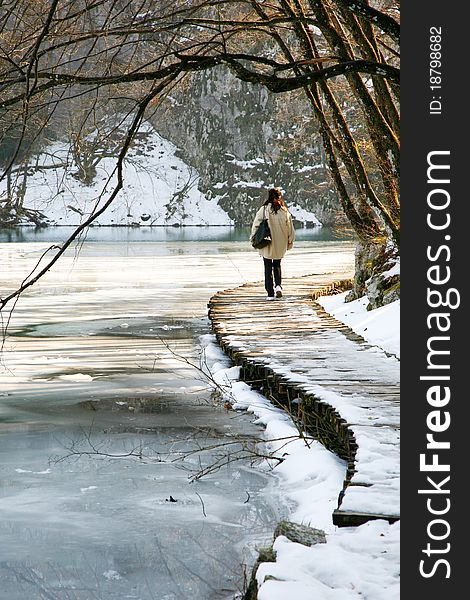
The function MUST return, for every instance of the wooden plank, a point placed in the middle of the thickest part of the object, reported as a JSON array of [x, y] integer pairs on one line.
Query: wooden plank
[[354, 519]]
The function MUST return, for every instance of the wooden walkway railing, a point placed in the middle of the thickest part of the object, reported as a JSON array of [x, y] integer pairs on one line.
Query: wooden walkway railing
[[344, 391]]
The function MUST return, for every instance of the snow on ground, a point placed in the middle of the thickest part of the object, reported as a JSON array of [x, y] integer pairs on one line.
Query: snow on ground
[[356, 562], [380, 327], [303, 215], [159, 188]]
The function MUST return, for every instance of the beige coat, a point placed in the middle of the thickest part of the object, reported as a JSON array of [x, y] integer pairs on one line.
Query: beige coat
[[282, 231]]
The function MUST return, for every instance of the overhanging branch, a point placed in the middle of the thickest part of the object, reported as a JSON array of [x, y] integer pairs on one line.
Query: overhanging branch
[[277, 84], [200, 63]]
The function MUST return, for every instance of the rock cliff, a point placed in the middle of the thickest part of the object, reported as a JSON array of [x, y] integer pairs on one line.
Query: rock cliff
[[242, 139]]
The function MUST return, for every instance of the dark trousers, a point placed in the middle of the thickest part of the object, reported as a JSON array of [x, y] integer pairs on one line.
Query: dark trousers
[[272, 268]]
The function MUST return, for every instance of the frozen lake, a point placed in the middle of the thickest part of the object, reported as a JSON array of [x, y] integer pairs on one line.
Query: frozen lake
[[94, 368]]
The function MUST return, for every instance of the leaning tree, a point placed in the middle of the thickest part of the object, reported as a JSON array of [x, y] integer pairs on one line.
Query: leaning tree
[[343, 54]]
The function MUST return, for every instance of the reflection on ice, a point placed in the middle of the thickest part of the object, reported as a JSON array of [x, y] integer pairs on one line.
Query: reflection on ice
[[165, 235], [98, 364]]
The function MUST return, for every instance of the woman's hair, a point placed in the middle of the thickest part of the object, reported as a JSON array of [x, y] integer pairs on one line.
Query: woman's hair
[[275, 198]]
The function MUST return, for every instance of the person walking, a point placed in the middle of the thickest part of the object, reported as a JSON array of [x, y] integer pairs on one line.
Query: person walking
[[282, 236]]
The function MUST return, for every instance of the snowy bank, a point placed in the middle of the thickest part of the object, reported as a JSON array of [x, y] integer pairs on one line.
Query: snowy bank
[[159, 188], [380, 327]]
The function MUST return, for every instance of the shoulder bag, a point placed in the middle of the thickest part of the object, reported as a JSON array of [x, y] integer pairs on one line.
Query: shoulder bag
[[262, 236]]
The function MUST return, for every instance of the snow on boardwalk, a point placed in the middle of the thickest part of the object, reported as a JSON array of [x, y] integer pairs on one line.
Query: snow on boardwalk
[[347, 388]]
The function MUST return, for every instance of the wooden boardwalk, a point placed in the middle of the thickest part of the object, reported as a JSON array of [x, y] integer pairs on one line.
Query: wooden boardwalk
[[345, 391]]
